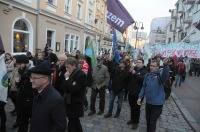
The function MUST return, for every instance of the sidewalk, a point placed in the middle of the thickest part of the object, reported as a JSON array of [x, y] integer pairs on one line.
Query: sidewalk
[[171, 120]]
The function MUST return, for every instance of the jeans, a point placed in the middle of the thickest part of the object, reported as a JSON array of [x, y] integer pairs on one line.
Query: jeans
[[178, 79], [153, 112], [113, 94]]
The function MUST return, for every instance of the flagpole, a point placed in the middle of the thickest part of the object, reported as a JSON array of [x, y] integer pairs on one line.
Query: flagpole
[[183, 40], [111, 50]]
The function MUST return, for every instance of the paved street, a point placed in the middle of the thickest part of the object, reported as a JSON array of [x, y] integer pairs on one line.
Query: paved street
[[173, 118]]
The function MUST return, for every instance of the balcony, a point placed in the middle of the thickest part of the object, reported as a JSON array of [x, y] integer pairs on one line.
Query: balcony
[[180, 8], [172, 27], [188, 20], [178, 24], [174, 14], [188, 17], [190, 1]]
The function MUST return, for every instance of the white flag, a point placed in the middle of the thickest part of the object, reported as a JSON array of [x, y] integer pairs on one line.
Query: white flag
[[3, 80]]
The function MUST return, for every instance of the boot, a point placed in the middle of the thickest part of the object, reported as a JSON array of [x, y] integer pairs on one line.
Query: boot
[[108, 115], [117, 114]]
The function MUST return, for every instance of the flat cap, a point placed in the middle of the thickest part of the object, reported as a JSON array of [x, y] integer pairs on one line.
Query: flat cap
[[41, 70]]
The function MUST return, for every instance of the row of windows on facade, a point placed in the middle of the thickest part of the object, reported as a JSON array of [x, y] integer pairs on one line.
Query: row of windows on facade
[[22, 34]]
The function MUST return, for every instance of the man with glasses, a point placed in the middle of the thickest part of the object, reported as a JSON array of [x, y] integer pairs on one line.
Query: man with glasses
[[101, 80], [136, 76], [48, 113], [153, 90]]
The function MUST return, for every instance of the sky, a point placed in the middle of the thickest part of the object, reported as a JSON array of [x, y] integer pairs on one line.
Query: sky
[[145, 10]]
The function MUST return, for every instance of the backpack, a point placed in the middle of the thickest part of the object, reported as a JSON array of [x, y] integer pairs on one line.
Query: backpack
[[167, 86]]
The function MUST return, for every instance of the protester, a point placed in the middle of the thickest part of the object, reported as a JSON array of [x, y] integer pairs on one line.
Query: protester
[[180, 71], [153, 90], [41, 61], [58, 74], [136, 76], [52, 58], [101, 79], [48, 113], [117, 88], [74, 87]]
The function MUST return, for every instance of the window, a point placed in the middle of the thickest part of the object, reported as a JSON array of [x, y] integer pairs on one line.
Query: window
[[68, 6], [52, 2], [79, 11], [90, 18], [102, 10], [97, 24], [20, 37], [98, 5], [198, 7], [101, 26], [71, 42], [29, 1]]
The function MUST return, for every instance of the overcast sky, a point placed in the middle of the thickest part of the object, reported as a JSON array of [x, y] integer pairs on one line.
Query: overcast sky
[[145, 10]]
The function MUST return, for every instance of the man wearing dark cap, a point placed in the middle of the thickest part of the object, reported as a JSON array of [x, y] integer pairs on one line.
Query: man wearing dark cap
[[101, 79], [24, 100], [48, 113], [52, 58]]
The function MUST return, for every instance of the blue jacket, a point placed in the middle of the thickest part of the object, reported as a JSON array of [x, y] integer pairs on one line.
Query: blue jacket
[[152, 87]]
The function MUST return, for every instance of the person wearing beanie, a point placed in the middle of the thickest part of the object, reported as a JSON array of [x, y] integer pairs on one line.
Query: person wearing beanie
[[48, 113], [24, 100]]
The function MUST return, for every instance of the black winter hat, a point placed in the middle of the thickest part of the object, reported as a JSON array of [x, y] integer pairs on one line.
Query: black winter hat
[[41, 70], [22, 59]]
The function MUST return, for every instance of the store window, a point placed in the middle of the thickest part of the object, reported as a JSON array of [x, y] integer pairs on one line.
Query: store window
[[20, 37]]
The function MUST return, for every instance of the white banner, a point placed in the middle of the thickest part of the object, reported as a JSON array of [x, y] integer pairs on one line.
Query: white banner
[[3, 80], [184, 49]]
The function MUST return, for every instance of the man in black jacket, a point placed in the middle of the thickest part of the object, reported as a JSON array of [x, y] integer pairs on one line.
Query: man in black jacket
[[74, 86], [136, 76], [48, 113], [117, 88], [52, 58]]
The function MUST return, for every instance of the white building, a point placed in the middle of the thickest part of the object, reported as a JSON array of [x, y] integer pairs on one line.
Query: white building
[[184, 17]]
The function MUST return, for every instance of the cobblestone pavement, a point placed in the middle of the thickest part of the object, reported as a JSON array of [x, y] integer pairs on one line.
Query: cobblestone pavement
[[171, 120]]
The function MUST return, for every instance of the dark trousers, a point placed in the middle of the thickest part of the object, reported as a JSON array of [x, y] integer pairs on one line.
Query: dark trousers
[[85, 99], [13, 97], [94, 93], [197, 72], [23, 121], [74, 125], [125, 93], [152, 114], [135, 108], [2, 116]]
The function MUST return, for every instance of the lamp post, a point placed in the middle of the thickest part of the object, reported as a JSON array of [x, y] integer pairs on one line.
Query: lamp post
[[137, 27]]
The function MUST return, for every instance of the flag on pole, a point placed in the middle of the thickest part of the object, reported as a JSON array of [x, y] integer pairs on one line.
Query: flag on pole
[[90, 52], [118, 16], [115, 47], [3, 80], [198, 26]]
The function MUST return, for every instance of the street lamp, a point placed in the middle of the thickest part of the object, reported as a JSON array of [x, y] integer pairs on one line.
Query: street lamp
[[137, 27]]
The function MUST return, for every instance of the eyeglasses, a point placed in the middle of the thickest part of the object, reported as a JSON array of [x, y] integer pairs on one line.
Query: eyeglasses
[[34, 78], [152, 66]]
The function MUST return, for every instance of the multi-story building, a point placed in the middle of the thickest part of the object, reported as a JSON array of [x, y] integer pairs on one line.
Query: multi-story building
[[184, 19], [30, 24]]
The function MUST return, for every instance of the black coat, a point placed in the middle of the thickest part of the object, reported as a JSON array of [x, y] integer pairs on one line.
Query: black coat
[[119, 80], [48, 113], [60, 72], [25, 94], [74, 89], [136, 80], [43, 63], [111, 67]]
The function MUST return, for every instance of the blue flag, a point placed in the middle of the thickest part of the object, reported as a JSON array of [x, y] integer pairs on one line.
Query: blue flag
[[90, 52], [115, 47]]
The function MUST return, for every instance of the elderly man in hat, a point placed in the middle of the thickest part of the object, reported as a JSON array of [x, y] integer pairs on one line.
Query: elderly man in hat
[[101, 80], [48, 113]]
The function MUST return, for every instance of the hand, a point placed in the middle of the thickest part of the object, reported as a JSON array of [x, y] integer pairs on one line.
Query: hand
[[133, 71], [67, 74], [139, 102], [52, 62], [166, 61]]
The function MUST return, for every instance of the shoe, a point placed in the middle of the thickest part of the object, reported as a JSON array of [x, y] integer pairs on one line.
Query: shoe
[[134, 127], [116, 115], [15, 125], [107, 115], [100, 112], [129, 122], [91, 113], [13, 111], [85, 108]]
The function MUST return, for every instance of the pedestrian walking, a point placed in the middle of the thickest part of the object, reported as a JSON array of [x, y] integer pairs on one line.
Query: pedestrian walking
[[153, 90], [48, 112]]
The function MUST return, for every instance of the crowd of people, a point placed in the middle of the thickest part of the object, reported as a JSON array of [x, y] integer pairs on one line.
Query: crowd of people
[[45, 89]]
